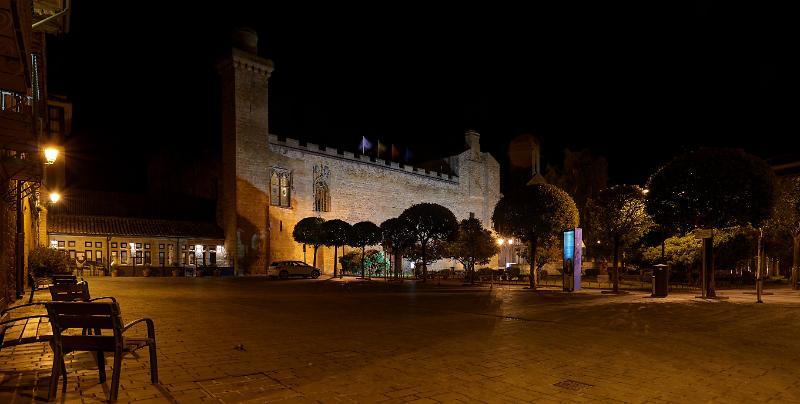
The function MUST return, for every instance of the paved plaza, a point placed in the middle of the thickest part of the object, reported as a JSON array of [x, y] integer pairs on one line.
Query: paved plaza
[[253, 340]]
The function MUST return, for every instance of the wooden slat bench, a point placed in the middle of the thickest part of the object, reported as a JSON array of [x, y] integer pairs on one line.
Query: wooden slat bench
[[96, 316], [23, 329], [40, 282]]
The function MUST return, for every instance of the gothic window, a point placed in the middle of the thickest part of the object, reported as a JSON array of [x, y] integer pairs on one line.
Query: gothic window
[[322, 199], [280, 187], [322, 196]]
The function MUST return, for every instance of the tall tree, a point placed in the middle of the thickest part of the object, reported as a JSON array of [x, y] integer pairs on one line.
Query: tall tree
[[429, 223], [786, 219], [309, 231], [583, 175], [473, 245], [535, 214], [337, 234], [711, 188], [618, 216], [364, 234], [397, 239]]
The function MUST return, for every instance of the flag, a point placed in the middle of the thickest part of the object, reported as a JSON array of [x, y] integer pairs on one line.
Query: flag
[[381, 148], [408, 155], [365, 145]]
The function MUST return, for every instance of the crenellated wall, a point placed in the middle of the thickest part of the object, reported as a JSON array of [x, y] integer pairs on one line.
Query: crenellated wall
[[362, 189], [359, 187]]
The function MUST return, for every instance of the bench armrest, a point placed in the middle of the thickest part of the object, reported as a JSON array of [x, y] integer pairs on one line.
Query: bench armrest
[[104, 297], [151, 329], [7, 309]]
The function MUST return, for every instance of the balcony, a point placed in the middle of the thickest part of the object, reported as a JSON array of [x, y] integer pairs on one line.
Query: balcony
[[16, 122], [21, 166]]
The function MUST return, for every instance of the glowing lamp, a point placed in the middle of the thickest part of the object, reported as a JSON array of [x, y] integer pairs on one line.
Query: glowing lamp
[[55, 197], [500, 241], [645, 191], [510, 241], [50, 155]]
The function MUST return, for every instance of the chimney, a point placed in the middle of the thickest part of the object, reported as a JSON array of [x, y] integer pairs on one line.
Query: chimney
[[246, 39], [473, 139]]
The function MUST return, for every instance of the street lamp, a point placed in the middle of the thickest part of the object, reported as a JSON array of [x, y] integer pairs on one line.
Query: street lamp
[[50, 155], [55, 197], [500, 241]]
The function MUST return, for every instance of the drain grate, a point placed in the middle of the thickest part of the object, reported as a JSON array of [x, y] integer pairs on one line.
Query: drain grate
[[572, 385]]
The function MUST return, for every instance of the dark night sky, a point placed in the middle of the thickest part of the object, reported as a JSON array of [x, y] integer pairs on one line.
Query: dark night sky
[[637, 84]]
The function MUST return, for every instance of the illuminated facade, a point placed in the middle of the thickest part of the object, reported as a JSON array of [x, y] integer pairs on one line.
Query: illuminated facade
[[127, 243], [270, 183]]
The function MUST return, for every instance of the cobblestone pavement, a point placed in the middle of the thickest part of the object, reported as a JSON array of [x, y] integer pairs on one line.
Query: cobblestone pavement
[[253, 340]]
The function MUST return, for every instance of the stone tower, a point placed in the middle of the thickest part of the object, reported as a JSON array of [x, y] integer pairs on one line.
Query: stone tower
[[244, 194]]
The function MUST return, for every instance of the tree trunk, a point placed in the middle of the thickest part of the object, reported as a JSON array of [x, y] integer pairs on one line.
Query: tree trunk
[[398, 264], [335, 257], [315, 256], [532, 263], [472, 273], [796, 262], [362, 262], [615, 287], [424, 264]]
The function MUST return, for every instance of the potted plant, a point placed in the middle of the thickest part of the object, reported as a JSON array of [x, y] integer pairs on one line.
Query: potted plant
[[146, 271], [44, 262], [176, 272], [217, 272], [114, 269]]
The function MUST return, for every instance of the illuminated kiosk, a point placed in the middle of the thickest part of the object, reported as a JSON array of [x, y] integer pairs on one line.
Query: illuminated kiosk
[[572, 259]]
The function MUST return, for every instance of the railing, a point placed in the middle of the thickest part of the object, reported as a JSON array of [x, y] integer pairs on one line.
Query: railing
[[15, 102]]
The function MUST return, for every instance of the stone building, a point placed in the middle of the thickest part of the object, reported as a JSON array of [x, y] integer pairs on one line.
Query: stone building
[[29, 121], [269, 183]]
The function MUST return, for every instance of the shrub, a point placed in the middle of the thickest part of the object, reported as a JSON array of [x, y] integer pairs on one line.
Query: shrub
[[43, 261], [374, 259]]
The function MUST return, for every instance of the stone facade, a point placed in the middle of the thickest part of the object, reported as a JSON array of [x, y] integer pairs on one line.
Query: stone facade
[[323, 182]]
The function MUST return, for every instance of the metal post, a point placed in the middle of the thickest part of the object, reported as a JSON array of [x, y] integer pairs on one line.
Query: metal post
[[704, 269], [759, 281]]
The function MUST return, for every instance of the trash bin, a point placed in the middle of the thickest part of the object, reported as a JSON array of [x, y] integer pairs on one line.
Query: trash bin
[[660, 281]]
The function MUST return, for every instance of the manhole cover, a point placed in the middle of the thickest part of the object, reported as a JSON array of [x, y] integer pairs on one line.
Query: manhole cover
[[573, 385]]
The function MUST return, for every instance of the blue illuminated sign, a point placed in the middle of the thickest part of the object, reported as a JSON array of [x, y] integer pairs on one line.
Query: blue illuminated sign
[[569, 244]]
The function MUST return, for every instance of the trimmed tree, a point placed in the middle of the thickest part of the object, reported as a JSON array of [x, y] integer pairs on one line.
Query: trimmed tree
[[429, 223], [309, 231], [364, 234], [337, 234], [397, 239], [712, 188], [618, 216], [535, 214], [473, 245], [786, 218]]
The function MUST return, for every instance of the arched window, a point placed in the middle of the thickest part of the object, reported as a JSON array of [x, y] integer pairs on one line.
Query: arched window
[[280, 187], [322, 197]]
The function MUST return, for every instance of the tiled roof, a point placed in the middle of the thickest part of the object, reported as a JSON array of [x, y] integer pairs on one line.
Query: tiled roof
[[125, 226]]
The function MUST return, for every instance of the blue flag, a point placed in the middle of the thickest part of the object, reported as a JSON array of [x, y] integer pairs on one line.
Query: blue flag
[[365, 145]]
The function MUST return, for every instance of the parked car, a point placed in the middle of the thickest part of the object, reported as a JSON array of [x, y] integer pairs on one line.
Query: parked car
[[286, 269]]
